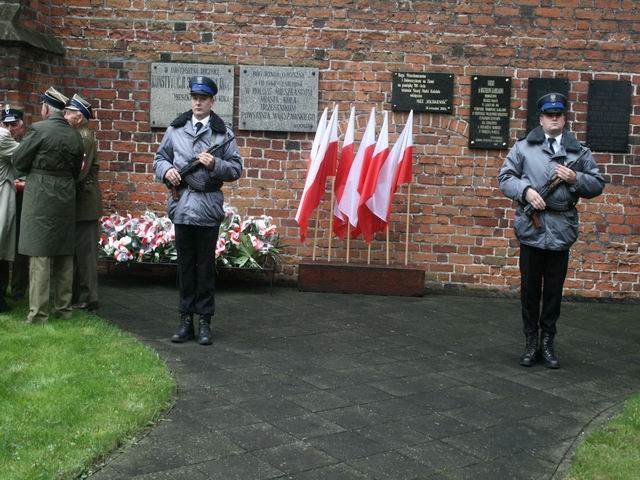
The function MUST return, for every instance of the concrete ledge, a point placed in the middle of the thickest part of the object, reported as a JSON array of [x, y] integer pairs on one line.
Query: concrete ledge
[[367, 279], [13, 34]]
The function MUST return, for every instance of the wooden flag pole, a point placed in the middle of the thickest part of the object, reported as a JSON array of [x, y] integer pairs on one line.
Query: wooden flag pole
[[406, 242], [387, 243], [369, 254], [333, 181], [348, 238], [315, 235]]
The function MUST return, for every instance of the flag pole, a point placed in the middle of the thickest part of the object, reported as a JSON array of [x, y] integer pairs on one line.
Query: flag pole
[[348, 238], [333, 181], [406, 241], [369, 254], [387, 243], [315, 235]]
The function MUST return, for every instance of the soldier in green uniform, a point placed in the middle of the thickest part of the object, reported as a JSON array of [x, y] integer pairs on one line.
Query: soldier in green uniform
[[88, 210], [50, 155]]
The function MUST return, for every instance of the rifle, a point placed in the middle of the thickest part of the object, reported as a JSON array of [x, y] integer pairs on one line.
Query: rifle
[[192, 166]]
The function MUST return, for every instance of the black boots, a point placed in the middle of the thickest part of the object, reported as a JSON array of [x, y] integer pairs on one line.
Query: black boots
[[185, 329], [530, 354], [204, 332], [548, 356]]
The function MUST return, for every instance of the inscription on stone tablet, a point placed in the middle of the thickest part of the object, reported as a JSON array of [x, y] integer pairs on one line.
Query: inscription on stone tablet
[[538, 87], [282, 99], [170, 90], [422, 92], [490, 111], [608, 115]]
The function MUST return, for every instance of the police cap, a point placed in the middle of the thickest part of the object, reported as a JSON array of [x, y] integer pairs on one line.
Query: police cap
[[553, 102], [54, 98], [203, 86], [81, 105], [10, 115]]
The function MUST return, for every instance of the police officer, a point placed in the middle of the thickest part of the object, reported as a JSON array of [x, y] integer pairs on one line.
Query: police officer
[[550, 150], [88, 209], [51, 156], [198, 211], [11, 119]]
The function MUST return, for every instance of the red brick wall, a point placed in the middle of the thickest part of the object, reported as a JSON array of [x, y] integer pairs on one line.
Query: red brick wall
[[461, 225]]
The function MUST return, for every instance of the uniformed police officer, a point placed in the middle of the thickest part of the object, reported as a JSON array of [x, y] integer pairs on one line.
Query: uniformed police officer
[[550, 150], [88, 209], [51, 156], [198, 211]]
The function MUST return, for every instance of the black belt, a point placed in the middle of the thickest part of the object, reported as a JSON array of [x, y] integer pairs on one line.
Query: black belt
[[52, 173], [206, 189]]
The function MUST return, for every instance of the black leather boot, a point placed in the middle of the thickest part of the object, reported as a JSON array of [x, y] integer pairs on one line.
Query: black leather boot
[[530, 354], [548, 356], [185, 329], [204, 332]]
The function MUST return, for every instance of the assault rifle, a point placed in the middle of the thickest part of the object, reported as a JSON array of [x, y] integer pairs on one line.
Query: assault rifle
[[192, 166]]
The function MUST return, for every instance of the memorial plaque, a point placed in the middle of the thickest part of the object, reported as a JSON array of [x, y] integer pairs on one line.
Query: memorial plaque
[[170, 90], [537, 88], [608, 115], [422, 92], [282, 99], [490, 112]]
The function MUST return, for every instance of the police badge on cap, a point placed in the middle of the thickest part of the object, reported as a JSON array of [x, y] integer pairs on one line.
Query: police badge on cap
[[203, 86], [552, 103], [10, 115]]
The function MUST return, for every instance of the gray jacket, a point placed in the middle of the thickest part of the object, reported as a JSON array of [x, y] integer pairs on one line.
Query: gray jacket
[[181, 144], [530, 163]]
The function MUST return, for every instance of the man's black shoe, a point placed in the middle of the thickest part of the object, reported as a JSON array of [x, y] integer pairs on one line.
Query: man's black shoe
[[548, 355], [204, 330], [530, 355], [185, 329]]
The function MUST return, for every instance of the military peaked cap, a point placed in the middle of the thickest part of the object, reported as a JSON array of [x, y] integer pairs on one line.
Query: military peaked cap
[[203, 85], [54, 98], [552, 103], [10, 115], [81, 105]]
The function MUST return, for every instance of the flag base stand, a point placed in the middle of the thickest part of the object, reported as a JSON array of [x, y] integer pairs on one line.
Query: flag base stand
[[357, 278]]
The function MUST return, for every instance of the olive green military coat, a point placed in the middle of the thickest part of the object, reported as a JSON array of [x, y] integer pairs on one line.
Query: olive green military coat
[[88, 201], [50, 155]]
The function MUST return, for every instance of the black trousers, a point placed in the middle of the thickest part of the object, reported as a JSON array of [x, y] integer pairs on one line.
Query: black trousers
[[542, 274], [196, 247]]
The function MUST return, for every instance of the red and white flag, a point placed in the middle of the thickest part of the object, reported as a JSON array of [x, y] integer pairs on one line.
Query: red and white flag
[[367, 221], [344, 167], [350, 200], [331, 142], [390, 175], [316, 177]]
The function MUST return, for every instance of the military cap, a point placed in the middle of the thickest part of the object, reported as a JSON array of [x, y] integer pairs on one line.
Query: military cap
[[81, 105], [203, 85], [54, 98], [552, 103], [10, 115]]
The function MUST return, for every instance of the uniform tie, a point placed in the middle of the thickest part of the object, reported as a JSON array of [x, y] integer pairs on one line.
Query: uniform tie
[[552, 142], [198, 126]]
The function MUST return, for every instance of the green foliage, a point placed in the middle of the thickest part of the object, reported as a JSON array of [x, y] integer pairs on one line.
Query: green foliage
[[70, 392], [613, 451]]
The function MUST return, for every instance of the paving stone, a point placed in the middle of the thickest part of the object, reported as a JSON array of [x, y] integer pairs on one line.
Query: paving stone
[[340, 471], [395, 434], [258, 436], [347, 445], [319, 400], [437, 455], [307, 426], [391, 466], [239, 467], [295, 457]]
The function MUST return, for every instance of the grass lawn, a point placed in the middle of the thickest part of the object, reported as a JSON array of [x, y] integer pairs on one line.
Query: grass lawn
[[613, 451], [70, 392]]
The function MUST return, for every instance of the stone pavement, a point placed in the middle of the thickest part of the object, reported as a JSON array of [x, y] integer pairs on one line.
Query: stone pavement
[[310, 386]]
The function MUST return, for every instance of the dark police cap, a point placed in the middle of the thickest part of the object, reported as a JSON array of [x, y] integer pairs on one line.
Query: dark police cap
[[10, 115], [54, 98], [203, 86], [552, 103], [81, 105]]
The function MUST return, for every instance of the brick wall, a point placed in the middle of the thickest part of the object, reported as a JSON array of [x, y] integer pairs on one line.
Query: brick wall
[[461, 226]]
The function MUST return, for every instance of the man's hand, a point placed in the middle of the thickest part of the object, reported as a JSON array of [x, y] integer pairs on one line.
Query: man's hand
[[566, 174], [535, 199], [173, 177], [207, 160]]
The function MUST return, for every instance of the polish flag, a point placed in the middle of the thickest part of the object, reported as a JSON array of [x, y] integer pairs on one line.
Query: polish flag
[[316, 176], [350, 200], [391, 175], [331, 141], [368, 222], [344, 167]]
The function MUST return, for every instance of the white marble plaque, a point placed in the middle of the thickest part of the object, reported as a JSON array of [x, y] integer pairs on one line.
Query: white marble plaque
[[282, 99], [170, 90]]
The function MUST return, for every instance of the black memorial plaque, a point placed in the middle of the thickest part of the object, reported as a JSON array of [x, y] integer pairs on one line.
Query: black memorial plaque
[[490, 111], [422, 92], [608, 115], [537, 88]]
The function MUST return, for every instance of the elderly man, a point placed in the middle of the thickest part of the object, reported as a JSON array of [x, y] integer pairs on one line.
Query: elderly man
[[88, 209], [50, 154], [11, 121], [197, 212], [546, 234]]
